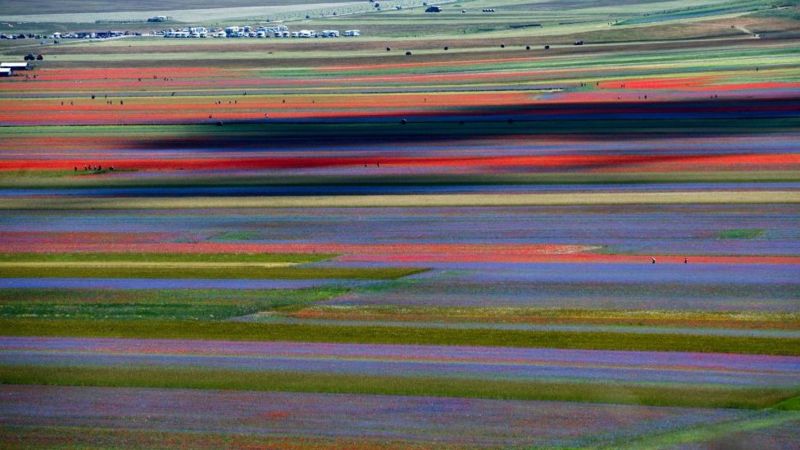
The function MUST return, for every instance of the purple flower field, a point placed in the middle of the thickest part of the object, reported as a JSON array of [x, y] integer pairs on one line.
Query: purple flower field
[[642, 229], [594, 286], [424, 420], [394, 360]]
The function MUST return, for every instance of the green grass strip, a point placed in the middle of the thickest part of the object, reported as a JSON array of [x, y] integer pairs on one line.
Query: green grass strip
[[704, 433], [791, 404], [637, 394], [199, 272], [742, 233], [158, 304], [399, 335]]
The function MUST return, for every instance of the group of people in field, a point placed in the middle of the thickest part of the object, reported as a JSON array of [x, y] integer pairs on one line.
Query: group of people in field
[[93, 168], [653, 260]]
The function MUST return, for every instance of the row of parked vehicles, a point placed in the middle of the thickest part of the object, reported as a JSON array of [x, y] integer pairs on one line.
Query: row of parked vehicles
[[279, 31]]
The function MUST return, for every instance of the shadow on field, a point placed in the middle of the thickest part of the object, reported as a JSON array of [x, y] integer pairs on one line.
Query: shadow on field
[[620, 121]]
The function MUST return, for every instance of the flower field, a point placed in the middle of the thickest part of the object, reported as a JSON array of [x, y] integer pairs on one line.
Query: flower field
[[261, 418], [333, 243]]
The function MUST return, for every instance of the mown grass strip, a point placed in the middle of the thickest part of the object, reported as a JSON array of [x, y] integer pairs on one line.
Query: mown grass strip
[[56, 270], [432, 200], [636, 394], [240, 331], [528, 315]]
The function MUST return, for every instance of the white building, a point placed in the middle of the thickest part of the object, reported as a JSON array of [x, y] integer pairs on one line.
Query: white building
[[352, 33], [5, 72]]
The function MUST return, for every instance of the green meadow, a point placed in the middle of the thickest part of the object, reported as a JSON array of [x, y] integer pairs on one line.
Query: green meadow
[[187, 378], [156, 304], [370, 334]]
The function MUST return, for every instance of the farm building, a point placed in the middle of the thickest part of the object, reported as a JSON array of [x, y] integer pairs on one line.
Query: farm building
[[5, 72], [15, 65], [352, 33]]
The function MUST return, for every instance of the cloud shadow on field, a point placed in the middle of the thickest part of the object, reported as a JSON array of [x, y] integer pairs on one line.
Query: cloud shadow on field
[[619, 121]]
